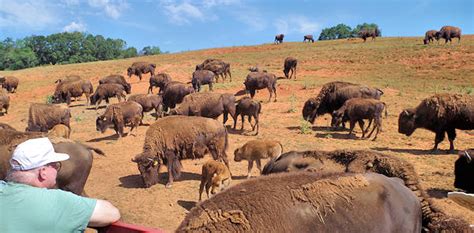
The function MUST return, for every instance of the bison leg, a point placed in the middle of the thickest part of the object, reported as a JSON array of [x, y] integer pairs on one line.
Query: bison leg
[[174, 167], [451, 136], [150, 89], [361, 125], [235, 120], [242, 117], [140, 76], [259, 165], [249, 168], [352, 123], [210, 87], [201, 186], [370, 123], [438, 138]]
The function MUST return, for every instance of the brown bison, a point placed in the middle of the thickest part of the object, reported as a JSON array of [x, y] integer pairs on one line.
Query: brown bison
[[308, 38], [174, 93], [279, 38], [441, 113], [60, 131], [139, 68], [4, 101], [160, 80], [149, 102], [214, 176], [449, 32], [362, 161], [290, 65], [255, 150], [250, 108], [117, 79], [333, 95], [65, 90], [309, 202], [260, 80], [43, 117], [203, 77], [172, 139], [74, 171], [10, 83], [207, 104], [120, 115], [106, 91], [430, 36], [367, 32], [464, 171], [217, 66]]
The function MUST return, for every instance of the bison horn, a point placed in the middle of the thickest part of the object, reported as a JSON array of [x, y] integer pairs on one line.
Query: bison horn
[[150, 159], [469, 158], [405, 112]]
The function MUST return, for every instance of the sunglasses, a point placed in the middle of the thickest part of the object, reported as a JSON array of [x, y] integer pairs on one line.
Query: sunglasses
[[55, 165]]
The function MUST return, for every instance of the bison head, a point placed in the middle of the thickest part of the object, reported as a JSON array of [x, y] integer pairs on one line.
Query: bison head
[[219, 183], [130, 71], [309, 110], [101, 123], [148, 167], [464, 171], [238, 155], [406, 122], [58, 98], [128, 88]]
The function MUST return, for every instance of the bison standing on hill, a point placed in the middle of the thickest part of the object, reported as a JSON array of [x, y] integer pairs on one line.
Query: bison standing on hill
[[172, 139], [149, 102], [290, 65], [106, 91], [139, 68], [442, 113], [430, 36], [119, 115], [308, 38], [219, 67], [260, 80], [160, 80], [366, 33], [279, 38], [449, 32], [10, 83], [250, 108], [117, 79], [203, 77], [43, 117], [66, 90]]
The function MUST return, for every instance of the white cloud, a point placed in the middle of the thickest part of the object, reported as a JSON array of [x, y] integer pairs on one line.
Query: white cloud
[[212, 3], [75, 27], [299, 24], [112, 8], [33, 14], [183, 13]]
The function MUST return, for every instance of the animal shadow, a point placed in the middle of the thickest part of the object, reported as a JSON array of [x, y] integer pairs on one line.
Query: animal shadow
[[93, 107], [413, 151], [188, 176], [239, 177], [313, 128], [437, 193], [131, 182], [188, 205], [2, 114], [337, 135], [110, 137]]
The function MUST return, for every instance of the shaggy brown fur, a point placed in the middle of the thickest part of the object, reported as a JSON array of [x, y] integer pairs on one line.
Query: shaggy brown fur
[[309, 202], [175, 138], [260, 80], [139, 68], [279, 38], [449, 32], [430, 36], [149, 102], [118, 79], [366, 33], [174, 93], [65, 90], [441, 113], [255, 150], [60, 130], [120, 115], [290, 65], [308, 38], [368, 161], [207, 104], [464, 171], [43, 117], [217, 66], [215, 176], [106, 91], [250, 108], [10, 83], [4, 101], [203, 77], [160, 80]]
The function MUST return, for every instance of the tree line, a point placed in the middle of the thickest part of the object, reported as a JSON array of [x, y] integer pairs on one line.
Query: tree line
[[65, 48], [342, 31]]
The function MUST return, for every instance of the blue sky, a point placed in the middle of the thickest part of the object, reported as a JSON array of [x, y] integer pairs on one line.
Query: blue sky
[[180, 25]]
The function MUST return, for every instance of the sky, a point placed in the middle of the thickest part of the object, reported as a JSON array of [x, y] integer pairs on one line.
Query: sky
[[182, 25]]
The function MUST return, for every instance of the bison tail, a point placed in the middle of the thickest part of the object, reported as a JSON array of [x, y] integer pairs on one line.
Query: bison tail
[[96, 150], [385, 107]]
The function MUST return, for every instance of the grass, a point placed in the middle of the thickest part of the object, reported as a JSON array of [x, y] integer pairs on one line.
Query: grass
[[293, 100], [305, 127]]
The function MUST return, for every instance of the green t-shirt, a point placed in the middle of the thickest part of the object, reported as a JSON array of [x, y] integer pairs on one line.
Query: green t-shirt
[[24, 208]]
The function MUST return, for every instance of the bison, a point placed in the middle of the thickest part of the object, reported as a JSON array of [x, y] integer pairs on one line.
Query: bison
[[309, 202], [106, 91], [260, 80], [139, 68], [279, 38], [367, 32], [430, 36], [149, 102], [4, 101], [202, 77], [60, 131], [441, 113], [217, 66], [120, 115], [215, 176], [210, 105], [174, 93], [117, 79], [172, 139], [255, 150], [449, 32], [160, 80], [10, 83], [290, 65], [65, 90], [464, 171], [43, 117], [308, 38], [248, 107], [333, 95]]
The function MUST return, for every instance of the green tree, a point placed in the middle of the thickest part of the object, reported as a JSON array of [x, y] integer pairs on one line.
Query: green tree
[[366, 26], [339, 31], [150, 50]]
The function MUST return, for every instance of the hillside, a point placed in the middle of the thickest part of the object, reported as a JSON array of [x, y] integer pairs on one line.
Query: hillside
[[405, 69]]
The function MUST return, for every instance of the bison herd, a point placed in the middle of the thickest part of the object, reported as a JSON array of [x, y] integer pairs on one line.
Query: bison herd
[[346, 191]]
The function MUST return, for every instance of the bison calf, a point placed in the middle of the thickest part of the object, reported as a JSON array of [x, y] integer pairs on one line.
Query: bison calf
[[105, 91], [256, 150], [215, 176], [250, 108], [4, 101], [119, 115], [149, 102], [61, 131]]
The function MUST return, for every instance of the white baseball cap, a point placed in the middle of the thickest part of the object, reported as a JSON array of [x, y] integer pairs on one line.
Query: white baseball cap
[[35, 153]]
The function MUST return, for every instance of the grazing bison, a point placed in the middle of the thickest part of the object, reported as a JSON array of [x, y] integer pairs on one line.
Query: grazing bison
[[160, 80], [362, 161], [430, 36], [4, 101], [279, 38], [60, 131], [449, 32], [260, 80], [74, 171], [207, 104], [65, 90], [367, 32], [202, 77], [139, 68], [43, 117], [120, 115], [358, 109], [248, 107], [441, 113], [308, 38], [172, 139], [309, 202], [333, 95], [215, 176], [10, 83], [464, 171], [255, 150], [174, 93], [106, 91], [117, 79], [149, 102], [219, 67], [290, 65]]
